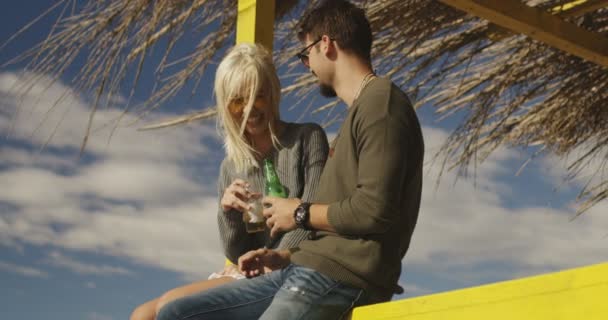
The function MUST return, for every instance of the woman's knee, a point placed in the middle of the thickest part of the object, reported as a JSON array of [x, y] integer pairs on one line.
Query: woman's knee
[[146, 311], [166, 298]]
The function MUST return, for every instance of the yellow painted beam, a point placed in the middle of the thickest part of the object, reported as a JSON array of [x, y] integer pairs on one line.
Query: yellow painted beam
[[539, 25], [574, 294], [567, 4], [566, 9], [255, 22], [579, 8]]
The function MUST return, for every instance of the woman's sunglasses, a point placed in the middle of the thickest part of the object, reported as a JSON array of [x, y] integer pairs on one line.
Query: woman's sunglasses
[[237, 105]]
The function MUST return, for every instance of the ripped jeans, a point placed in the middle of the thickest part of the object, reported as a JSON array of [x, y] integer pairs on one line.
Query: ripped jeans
[[294, 292]]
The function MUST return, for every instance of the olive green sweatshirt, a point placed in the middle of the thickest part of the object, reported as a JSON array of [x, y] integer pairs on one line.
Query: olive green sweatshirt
[[372, 182]]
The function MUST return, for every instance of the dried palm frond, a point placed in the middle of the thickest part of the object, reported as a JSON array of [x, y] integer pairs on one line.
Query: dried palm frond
[[508, 89]]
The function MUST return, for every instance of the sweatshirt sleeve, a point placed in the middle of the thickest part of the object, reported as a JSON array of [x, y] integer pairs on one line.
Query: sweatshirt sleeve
[[381, 143], [314, 155], [235, 239]]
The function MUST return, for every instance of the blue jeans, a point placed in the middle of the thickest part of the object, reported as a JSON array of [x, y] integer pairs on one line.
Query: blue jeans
[[292, 293]]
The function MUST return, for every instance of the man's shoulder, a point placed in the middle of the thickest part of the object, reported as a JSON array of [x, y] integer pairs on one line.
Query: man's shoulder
[[382, 98], [376, 87], [382, 82]]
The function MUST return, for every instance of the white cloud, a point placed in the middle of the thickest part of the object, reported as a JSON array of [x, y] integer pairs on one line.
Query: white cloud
[[589, 173], [18, 157], [413, 290], [59, 260], [52, 114], [135, 197], [23, 270], [464, 226], [146, 181], [331, 136]]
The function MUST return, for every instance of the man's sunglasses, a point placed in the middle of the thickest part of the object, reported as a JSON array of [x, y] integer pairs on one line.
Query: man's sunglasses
[[303, 54]]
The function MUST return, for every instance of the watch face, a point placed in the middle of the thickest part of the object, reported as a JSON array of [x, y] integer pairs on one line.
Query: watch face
[[300, 215]]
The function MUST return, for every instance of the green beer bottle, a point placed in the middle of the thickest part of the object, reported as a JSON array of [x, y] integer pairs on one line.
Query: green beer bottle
[[273, 186], [253, 218]]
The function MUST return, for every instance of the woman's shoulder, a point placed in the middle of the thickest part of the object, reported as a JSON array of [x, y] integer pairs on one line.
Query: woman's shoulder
[[302, 136], [304, 130], [226, 166], [302, 141]]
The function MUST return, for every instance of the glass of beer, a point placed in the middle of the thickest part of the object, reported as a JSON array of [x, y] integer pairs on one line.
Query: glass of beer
[[253, 218]]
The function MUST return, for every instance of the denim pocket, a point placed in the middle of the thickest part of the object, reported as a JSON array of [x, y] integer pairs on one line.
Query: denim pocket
[[308, 283], [312, 285]]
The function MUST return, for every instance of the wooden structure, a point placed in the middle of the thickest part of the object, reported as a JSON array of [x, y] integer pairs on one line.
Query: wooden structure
[[550, 28], [256, 18]]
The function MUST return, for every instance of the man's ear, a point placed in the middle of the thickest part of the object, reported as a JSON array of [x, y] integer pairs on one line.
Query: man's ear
[[328, 47]]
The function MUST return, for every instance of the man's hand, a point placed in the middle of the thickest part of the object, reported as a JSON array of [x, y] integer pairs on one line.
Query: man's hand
[[279, 214], [252, 263]]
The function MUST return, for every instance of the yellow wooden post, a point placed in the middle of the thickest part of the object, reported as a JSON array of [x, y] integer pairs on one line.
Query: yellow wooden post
[[255, 22]]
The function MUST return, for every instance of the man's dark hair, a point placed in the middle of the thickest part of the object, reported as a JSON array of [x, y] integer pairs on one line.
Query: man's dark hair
[[343, 22]]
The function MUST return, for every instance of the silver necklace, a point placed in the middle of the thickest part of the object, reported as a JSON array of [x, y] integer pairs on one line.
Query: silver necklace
[[366, 80]]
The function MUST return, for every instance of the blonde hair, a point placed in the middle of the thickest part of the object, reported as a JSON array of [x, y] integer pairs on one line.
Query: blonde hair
[[246, 70]]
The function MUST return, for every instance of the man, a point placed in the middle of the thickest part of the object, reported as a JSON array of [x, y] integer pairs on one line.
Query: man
[[367, 200]]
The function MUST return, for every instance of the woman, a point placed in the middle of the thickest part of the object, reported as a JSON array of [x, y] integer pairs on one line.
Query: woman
[[247, 90]]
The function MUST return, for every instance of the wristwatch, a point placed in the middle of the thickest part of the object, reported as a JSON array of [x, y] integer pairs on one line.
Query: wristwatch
[[302, 215]]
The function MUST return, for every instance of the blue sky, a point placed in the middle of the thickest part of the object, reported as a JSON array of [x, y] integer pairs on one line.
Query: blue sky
[[91, 238]]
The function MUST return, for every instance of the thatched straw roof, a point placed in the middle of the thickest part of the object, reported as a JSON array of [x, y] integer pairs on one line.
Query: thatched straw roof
[[509, 89]]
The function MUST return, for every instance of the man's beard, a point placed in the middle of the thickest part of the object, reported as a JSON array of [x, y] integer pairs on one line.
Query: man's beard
[[327, 91]]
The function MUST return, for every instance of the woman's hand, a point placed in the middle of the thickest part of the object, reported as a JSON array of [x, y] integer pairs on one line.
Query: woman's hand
[[236, 196]]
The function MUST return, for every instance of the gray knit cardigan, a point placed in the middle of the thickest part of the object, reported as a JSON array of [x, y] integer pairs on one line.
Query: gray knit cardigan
[[299, 163]]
